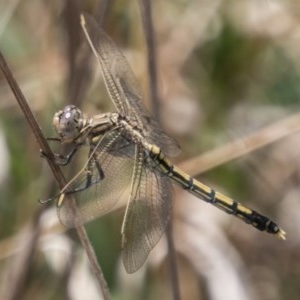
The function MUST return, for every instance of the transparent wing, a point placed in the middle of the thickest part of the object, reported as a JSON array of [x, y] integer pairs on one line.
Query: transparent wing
[[106, 180], [155, 135], [147, 214], [122, 85], [119, 78]]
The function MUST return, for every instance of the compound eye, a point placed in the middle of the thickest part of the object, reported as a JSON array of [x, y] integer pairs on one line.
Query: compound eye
[[68, 122]]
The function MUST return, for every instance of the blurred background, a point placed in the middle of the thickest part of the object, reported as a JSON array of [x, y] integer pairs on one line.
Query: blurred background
[[227, 70]]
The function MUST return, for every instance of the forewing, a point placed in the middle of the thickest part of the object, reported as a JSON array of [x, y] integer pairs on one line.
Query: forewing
[[147, 214], [107, 186], [118, 76], [122, 84]]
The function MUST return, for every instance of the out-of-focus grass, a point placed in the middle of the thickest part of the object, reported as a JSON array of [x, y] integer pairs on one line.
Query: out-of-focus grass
[[231, 69]]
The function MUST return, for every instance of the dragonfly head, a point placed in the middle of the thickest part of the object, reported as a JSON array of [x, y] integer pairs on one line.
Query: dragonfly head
[[68, 122]]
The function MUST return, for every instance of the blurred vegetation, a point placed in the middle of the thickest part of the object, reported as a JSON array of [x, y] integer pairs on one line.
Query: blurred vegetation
[[226, 69]]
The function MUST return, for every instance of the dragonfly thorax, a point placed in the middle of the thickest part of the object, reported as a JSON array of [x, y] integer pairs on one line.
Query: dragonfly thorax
[[136, 134], [68, 122]]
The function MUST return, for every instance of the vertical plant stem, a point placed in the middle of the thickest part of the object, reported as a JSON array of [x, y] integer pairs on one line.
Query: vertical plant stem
[[55, 169], [146, 12]]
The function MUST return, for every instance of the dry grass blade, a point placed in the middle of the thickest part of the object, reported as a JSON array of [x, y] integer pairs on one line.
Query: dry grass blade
[[55, 169], [242, 146]]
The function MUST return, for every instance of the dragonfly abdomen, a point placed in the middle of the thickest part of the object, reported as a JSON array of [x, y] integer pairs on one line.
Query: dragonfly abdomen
[[209, 195]]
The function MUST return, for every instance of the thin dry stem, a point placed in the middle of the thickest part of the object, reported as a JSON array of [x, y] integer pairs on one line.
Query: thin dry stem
[[146, 13], [55, 169]]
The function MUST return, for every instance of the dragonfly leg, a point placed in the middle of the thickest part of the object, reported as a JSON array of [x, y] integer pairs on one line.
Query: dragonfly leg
[[43, 201], [87, 184], [90, 174], [59, 159], [100, 171]]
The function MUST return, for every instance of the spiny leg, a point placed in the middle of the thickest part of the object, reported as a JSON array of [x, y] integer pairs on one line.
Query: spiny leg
[[60, 159], [91, 166]]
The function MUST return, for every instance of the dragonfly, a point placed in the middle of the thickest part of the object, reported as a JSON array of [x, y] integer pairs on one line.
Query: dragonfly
[[128, 161]]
